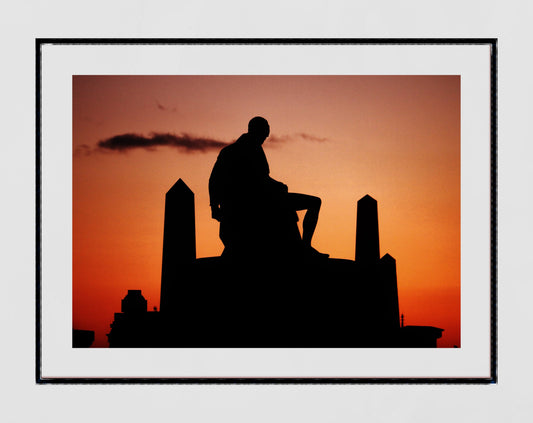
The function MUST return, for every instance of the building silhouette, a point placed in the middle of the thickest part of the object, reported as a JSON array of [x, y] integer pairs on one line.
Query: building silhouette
[[261, 302], [135, 326], [82, 338]]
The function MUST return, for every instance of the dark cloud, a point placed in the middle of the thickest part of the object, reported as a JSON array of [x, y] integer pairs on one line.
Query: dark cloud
[[183, 142], [299, 136]]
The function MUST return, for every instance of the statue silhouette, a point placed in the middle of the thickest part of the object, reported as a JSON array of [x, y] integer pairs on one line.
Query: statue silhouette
[[257, 214]]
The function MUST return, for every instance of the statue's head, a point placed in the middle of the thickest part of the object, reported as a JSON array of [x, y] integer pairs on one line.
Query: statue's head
[[258, 128]]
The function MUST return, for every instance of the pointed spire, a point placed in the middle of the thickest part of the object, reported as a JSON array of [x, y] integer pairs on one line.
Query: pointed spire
[[180, 188]]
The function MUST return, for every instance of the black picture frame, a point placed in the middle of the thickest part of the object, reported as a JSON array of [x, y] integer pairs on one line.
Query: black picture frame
[[492, 42]]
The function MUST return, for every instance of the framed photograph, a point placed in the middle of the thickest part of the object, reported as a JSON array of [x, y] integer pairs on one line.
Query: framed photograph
[[266, 211]]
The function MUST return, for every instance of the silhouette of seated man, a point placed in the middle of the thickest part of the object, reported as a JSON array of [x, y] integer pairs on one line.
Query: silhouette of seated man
[[257, 214]]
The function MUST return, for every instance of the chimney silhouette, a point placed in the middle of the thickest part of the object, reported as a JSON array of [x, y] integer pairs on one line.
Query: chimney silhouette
[[367, 232], [179, 241]]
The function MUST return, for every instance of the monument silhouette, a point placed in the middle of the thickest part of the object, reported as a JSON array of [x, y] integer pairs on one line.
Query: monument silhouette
[[257, 214], [271, 297]]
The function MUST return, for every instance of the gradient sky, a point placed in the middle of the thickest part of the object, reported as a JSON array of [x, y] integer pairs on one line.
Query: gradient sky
[[396, 138]]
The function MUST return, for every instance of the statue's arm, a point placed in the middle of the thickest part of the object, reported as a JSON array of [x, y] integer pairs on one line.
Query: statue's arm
[[277, 185]]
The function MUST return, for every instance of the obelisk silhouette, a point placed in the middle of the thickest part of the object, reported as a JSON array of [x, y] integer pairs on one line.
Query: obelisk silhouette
[[389, 286], [367, 231], [179, 241]]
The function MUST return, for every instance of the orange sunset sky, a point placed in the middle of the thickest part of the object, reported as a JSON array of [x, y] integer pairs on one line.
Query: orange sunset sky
[[396, 138]]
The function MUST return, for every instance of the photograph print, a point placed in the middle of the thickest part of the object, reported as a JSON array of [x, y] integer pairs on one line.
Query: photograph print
[[266, 211]]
